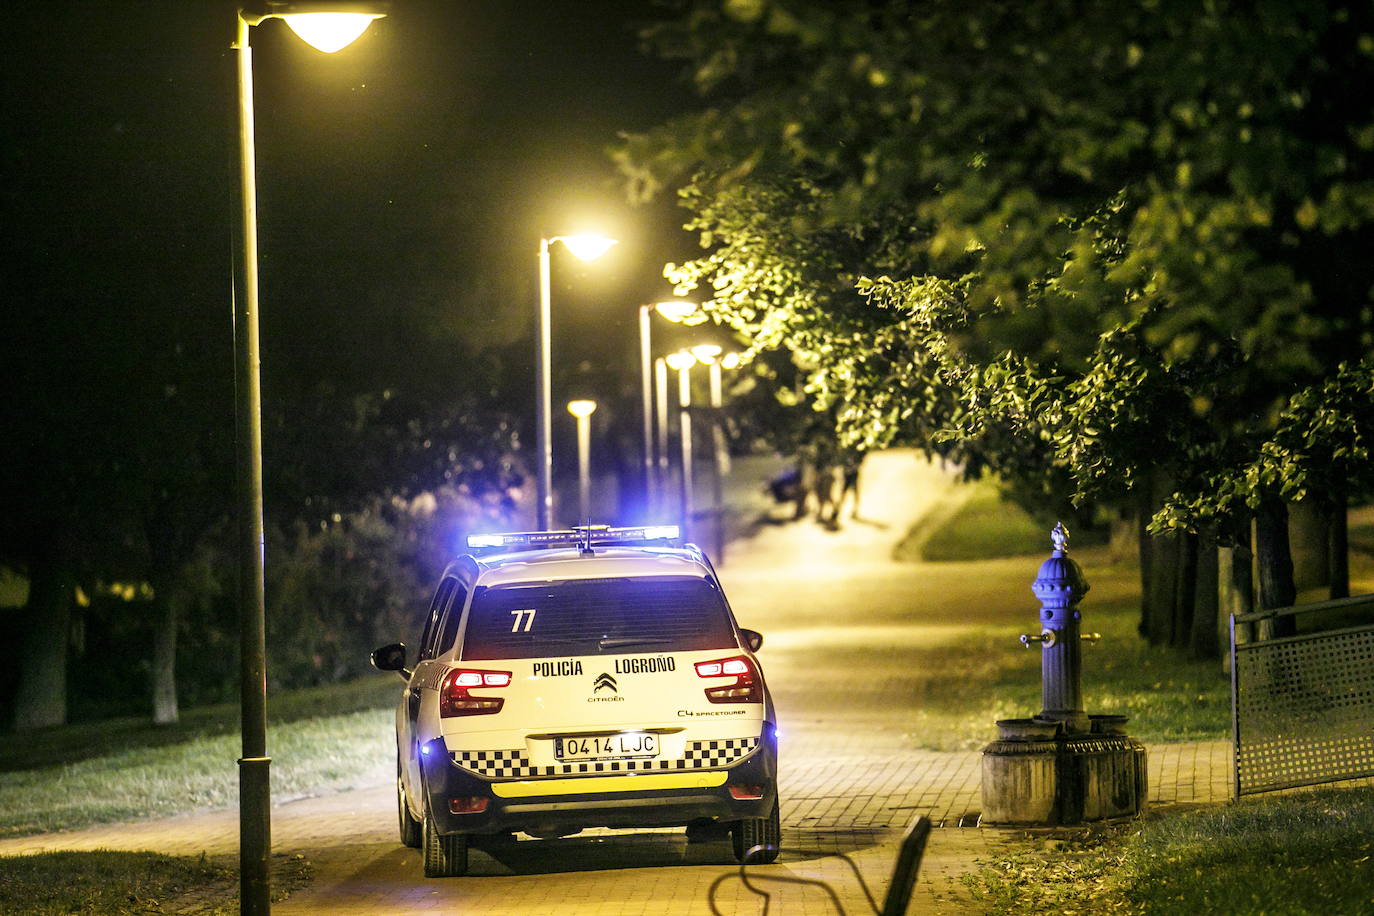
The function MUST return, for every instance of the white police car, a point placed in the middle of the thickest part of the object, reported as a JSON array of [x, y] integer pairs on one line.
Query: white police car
[[574, 679]]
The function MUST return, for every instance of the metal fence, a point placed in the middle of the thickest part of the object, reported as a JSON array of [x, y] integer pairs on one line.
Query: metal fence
[[1302, 706]]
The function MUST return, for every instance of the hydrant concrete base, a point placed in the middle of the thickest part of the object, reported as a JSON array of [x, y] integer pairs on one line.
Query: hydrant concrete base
[[1063, 779]]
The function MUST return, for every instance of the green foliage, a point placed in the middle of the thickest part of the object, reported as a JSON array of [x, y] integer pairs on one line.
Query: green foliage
[[1076, 245], [346, 586], [1309, 853]]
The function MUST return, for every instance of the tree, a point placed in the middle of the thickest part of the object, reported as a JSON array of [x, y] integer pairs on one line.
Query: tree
[[1096, 249]]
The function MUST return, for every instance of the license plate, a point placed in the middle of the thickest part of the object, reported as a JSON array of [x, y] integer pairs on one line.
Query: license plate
[[607, 747]]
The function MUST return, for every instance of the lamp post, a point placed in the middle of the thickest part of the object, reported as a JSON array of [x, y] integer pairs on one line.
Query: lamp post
[[720, 466], [683, 361], [664, 474], [586, 248], [583, 411], [328, 28], [675, 310], [707, 355]]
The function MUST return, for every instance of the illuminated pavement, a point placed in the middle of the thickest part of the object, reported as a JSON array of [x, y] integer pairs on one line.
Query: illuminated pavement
[[839, 620]]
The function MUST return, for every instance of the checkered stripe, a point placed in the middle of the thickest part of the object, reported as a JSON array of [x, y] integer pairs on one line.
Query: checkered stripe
[[515, 764]]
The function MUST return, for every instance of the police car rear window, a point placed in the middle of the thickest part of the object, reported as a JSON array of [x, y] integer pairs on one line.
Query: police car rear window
[[597, 617]]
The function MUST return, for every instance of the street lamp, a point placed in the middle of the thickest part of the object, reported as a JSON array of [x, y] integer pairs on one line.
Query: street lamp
[[328, 27], [676, 311], [664, 475], [586, 248], [583, 411], [721, 465], [683, 361]]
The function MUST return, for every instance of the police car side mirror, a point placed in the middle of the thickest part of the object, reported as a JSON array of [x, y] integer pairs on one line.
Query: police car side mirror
[[753, 639], [391, 658]]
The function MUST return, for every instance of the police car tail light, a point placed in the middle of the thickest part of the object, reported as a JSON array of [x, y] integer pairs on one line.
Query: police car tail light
[[745, 689], [454, 699], [468, 804]]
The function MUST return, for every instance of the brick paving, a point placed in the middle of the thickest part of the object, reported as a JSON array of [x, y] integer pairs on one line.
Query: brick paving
[[851, 778]]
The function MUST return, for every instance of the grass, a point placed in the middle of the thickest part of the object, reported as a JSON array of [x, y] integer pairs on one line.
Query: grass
[[1362, 538], [957, 688], [975, 523], [126, 769], [105, 883], [70, 743], [1302, 853]]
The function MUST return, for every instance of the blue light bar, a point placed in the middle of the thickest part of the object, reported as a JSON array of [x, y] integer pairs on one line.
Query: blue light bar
[[596, 534], [486, 540]]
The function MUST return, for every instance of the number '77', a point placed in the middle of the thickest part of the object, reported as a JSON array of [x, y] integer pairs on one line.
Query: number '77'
[[525, 617]]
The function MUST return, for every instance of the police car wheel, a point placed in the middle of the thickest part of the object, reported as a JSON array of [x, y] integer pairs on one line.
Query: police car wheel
[[758, 831], [445, 856], [411, 830]]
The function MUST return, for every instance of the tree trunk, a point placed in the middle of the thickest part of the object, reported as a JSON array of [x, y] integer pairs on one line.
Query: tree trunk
[[1161, 596], [1238, 587], [1308, 542], [1145, 546], [1159, 576], [41, 699], [164, 661], [1203, 642], [1185, 591], [1242, 570], [1338, 546], [1276, 588]]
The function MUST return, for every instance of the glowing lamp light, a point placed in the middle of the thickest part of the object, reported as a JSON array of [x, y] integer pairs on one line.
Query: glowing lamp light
[[682, 359], [587, 247], [581, 409], [706, 353], [329, 32], [677, 310], [730, 361]]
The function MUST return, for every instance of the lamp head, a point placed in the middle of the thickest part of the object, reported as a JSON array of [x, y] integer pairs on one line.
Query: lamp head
[[326, 25], [730, 361], [586, 247], [581, 409], [677, 310], [682, 359], [706, 353]]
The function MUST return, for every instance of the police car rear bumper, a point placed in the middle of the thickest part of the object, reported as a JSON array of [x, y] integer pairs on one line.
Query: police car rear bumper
[[574, 803]]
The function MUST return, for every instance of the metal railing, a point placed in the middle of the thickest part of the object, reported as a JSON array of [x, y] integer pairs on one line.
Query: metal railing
[[899, 889], [1302, 706]]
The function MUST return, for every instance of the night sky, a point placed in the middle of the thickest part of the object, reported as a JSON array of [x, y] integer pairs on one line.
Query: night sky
[[404, 184]]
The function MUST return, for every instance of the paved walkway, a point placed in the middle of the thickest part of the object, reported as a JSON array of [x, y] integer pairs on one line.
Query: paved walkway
[[851, 778], [856, 804]]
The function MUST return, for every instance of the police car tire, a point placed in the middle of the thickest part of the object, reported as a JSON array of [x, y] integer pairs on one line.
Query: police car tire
[[758, 831], [445, 856], [411, 830]]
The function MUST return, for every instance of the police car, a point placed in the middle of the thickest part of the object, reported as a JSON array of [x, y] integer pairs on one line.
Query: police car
[[586, 678]]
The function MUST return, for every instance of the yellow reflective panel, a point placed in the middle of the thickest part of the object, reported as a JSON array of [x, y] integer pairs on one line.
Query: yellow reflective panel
[[630, 782], [329, 32]]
